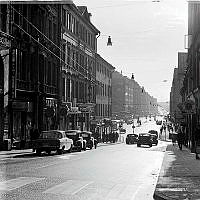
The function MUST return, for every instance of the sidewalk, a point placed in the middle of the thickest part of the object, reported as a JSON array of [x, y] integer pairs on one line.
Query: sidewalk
[[14, 152], [179, 177]]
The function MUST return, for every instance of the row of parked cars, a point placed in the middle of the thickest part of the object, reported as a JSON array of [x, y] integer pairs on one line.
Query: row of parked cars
[[61, 141], [149, 138]]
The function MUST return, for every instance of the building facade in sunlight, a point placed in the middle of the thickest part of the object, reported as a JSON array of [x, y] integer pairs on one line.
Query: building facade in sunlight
[[129, 99]]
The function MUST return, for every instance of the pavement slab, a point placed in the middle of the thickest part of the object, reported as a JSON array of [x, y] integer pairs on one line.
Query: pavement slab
[[179, 176]]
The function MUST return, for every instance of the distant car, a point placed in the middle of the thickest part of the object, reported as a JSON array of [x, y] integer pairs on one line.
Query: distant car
[[154, 135], [159, 122], [90, 140], [122, 130], [129, 121], [79, 142], [53, 140], [144, 139], [131, 138]]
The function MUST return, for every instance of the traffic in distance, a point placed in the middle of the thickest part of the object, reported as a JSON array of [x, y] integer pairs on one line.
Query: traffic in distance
[[76, 140]]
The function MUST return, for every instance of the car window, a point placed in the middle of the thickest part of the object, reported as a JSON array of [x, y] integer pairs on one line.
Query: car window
[[50, 135]]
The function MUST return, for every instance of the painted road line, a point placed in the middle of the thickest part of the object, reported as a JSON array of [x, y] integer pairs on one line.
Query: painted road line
[[17, 183], [69, 187], [115, 192]]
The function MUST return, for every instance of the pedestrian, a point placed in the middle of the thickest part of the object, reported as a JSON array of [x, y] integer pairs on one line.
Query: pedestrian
[[197, 141], [34, 135], [133, 127], [180, 137], [174, 138], [164, 128], [161, 130]]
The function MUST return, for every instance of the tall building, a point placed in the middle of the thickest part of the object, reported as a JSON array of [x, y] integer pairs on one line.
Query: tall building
[[177, 84], [78, 83], [191, 85], [129, 99], [103, 109], [33, 61]]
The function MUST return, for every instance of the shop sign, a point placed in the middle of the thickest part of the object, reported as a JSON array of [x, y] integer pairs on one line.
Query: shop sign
[[4, 42]]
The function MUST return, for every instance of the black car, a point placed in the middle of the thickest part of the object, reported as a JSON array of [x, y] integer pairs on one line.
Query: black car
[[90, 140], [154, 135], [144, 139], [79, 142], [131, 138]]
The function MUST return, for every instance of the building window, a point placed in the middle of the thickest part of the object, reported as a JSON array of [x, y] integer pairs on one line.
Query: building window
[[50, 29], [63, 88], [64, 17]]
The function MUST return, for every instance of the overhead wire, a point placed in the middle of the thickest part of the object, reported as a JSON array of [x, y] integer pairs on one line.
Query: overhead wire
[[61, 51]]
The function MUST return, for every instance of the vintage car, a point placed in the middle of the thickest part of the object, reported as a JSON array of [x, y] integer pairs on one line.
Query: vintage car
[[79, 142], [131, 138], [122, 130], [90, 140], [144, 139], [53, 140], [154, 135]]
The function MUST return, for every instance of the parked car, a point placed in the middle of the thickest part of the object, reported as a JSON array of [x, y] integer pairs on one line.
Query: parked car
[[90, 140], [53, 140], [122, 130], [131, 138], [79, 142], [144, 139], [154, 135]]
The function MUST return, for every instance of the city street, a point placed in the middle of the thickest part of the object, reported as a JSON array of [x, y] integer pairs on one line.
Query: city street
[[112, 171]]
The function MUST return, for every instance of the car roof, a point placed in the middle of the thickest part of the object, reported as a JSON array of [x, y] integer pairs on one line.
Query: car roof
[[132, 134], [144, 133], [78, 131], [60, 131], [86, 132]]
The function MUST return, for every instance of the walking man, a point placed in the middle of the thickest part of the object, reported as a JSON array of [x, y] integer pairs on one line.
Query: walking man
[[180, 137]]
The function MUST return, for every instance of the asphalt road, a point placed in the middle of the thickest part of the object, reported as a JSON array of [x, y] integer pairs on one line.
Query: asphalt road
[[110, 172]]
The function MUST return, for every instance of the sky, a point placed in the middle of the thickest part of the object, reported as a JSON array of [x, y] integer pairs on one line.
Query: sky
[[146, 37]]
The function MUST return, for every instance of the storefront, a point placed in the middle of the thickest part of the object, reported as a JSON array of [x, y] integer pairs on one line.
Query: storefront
[[22, 122]]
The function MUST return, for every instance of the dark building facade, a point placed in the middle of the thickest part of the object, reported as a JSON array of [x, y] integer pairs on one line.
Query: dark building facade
[[34, 66], [190, 91], [177, 83]]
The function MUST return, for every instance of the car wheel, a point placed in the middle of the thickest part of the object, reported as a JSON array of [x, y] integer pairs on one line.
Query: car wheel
[[95, 146], [38, 152], [60, 151], [150, 145], [48, 152], [80, 148], [138, 145], [70, 150]]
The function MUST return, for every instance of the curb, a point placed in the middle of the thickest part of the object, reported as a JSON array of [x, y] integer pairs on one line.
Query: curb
[[159, 196]]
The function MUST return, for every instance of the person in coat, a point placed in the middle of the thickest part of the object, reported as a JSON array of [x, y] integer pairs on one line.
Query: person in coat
[[180, 137]]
